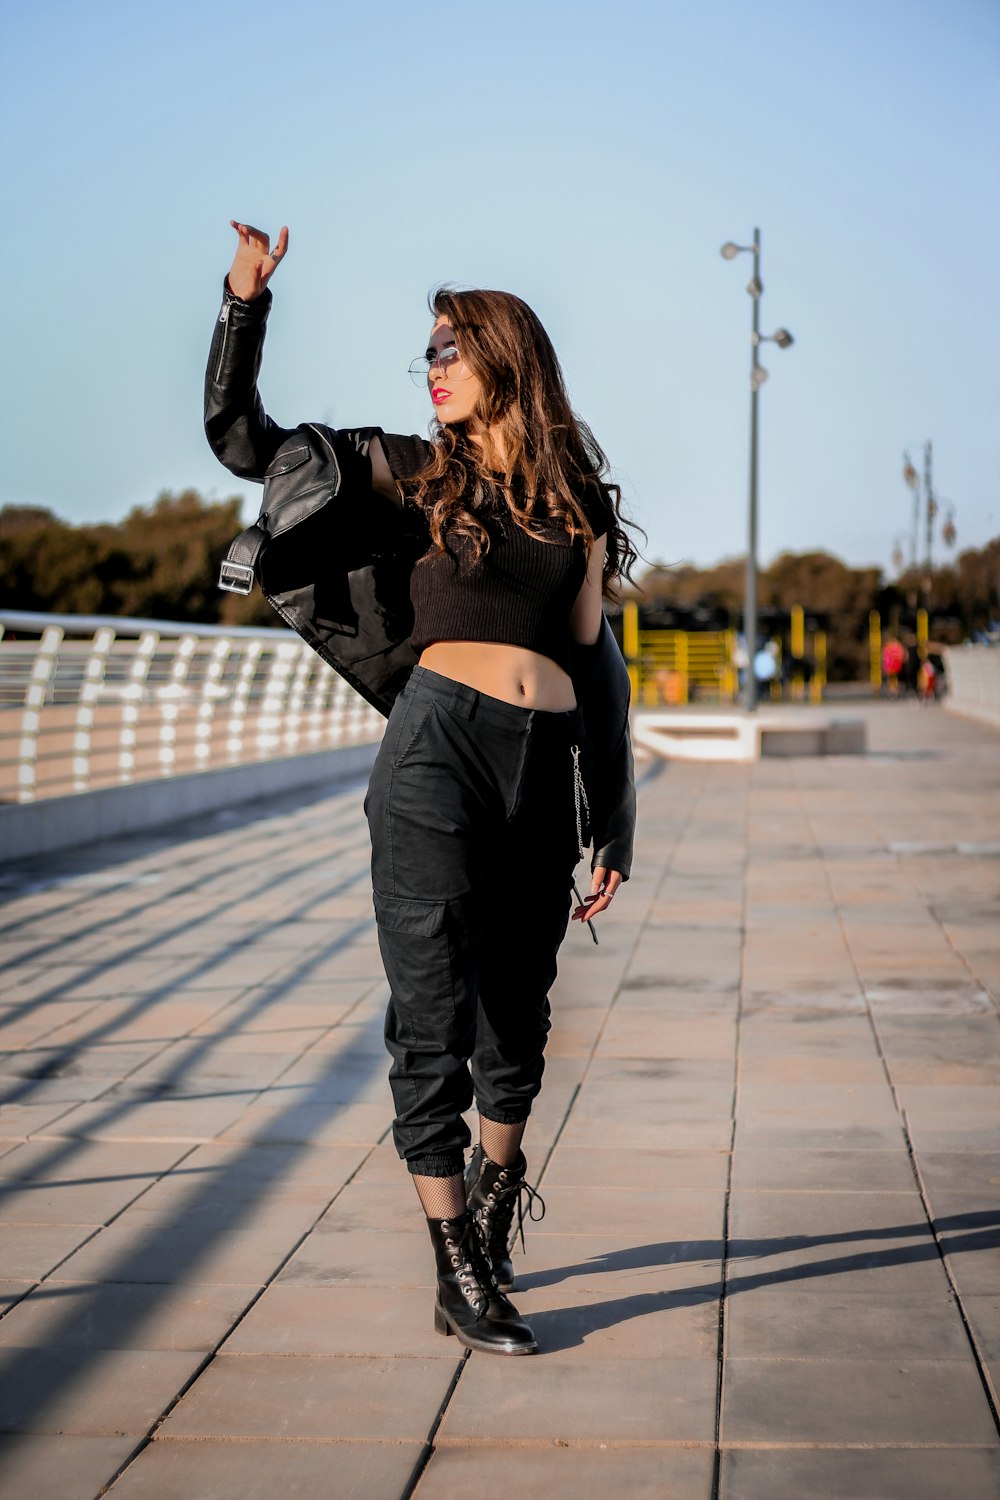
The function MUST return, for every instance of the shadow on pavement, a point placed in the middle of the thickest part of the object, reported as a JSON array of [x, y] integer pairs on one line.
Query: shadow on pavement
[[34, 1380], [564, 1328]]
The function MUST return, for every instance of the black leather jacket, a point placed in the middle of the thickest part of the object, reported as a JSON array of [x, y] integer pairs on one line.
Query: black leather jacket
[[334, 557]]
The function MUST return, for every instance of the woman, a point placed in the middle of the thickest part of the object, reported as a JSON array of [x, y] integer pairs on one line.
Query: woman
[[505, 539]]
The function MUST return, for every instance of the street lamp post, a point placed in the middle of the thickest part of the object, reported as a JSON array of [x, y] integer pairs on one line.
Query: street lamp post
[[758, 375], [912, 480], [931, 502]]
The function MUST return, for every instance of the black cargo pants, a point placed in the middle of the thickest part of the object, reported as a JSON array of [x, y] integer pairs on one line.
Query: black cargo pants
[[474, 834]]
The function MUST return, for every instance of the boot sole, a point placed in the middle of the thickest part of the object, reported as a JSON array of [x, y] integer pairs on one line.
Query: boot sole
[[444, 1325]]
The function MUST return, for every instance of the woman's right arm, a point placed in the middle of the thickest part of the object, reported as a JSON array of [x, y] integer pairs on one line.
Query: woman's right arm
[[241, 434]]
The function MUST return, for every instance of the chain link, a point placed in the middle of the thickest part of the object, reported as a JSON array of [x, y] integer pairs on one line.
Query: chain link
[[580, 800]]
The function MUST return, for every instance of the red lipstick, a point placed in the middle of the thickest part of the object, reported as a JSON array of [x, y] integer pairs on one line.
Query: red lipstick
[[439, 394]]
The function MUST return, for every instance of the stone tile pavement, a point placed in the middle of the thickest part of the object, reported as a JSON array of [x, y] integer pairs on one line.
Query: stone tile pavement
[[769, 1142]]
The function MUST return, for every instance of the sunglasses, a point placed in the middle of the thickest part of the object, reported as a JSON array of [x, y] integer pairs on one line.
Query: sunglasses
[[444, 360]]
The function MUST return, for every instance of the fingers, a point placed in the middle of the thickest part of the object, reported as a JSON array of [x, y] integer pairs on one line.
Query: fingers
[[604, 881], [592, 907], [604, 884], [254, 239], [282, 245]]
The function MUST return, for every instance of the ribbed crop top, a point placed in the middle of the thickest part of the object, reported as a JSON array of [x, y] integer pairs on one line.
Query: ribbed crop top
[[519, 593]]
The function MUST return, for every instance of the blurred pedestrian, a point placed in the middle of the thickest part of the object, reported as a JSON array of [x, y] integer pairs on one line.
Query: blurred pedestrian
[[927, 681], [740, 659], [893, 662], [765, 667], [909, 678]]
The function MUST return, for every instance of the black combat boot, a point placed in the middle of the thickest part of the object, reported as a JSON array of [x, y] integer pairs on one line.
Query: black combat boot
[[469, 1302], [493, 1192]]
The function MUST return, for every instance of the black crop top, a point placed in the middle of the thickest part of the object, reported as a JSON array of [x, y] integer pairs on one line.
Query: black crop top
[[519, 593]]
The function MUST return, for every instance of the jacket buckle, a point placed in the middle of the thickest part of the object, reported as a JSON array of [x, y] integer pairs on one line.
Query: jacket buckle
[[236, 577]]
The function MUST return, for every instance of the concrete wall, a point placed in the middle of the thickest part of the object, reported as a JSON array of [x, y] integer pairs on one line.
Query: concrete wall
[[974, 682], [778, 730], [67, 822]]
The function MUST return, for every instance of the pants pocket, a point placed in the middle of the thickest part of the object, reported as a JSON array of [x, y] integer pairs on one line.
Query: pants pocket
[[420, 956], [410, 915], [412, 727]]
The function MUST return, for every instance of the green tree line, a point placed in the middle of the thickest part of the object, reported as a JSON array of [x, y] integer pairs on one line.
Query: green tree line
[[961, 597], [162, 562]]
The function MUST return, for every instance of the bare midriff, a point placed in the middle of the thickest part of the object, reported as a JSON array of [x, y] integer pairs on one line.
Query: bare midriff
[[510, 673]]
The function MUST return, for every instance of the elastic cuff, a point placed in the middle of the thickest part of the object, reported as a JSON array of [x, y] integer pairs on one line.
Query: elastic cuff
[[503, 1117], [452, 1165]]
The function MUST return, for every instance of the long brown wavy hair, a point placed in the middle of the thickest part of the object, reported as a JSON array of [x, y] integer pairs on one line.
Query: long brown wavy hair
[[554, 465]]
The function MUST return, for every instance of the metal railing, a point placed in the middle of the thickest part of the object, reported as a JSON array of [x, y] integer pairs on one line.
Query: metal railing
[[95, 701]]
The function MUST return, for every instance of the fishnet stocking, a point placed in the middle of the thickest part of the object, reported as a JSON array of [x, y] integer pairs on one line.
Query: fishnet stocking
[[441, 1197], [501, 1142]]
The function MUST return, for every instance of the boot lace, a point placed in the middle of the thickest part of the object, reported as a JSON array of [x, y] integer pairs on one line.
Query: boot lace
[[525, 1190], [472, 1266], [501, 1237]]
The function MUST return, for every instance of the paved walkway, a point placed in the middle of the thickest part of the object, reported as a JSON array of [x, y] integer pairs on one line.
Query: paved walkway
[[769, 1142]]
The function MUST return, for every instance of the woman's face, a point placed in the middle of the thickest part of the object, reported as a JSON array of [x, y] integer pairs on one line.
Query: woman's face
[[455, 390]]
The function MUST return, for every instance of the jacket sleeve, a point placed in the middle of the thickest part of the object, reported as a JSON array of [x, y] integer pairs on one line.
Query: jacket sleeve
[[600, 678], [241, 434]]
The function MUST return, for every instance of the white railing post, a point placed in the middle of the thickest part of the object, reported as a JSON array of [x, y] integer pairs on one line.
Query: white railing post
[[307, 663], [171, 701], [131, 703], [212, 691], [90, 692], [275, 693], [269, 719], [326, 680], [247, 670], [42, 670]]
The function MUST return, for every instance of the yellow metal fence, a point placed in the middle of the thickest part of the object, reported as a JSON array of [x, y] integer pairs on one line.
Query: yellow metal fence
[[676, 666]]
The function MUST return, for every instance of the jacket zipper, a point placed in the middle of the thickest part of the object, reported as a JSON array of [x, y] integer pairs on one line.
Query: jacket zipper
[[224, 320]]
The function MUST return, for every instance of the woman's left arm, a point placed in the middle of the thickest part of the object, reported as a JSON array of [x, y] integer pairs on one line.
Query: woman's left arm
[[585, 626], [585, 615]]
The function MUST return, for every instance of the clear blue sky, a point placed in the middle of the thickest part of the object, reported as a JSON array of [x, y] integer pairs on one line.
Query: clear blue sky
[[591, 157]]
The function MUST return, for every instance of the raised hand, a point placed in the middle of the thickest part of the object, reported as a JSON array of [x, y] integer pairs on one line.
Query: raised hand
[[255, 262]]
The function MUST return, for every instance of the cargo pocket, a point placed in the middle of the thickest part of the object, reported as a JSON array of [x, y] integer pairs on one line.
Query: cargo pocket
[[407, 914], [418, 952]]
